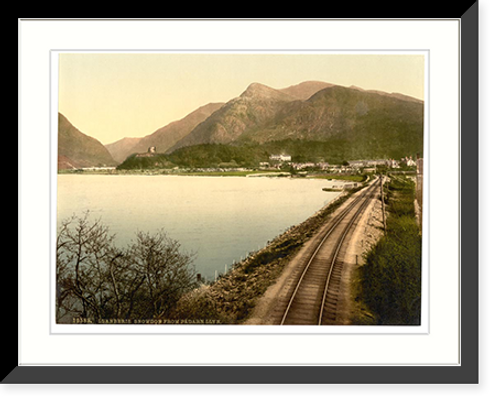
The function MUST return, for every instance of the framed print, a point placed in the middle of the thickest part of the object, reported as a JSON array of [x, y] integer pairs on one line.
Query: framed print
[[247, 201], [200, 189]]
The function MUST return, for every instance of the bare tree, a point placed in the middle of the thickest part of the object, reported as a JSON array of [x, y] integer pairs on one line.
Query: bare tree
[[165, 272], [95, 280], [83, 248]]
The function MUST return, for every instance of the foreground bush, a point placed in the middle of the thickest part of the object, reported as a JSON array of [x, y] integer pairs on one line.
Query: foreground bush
[[96, 281]]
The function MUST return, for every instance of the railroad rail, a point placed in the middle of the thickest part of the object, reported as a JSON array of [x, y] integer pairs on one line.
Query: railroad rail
[[314, 297]]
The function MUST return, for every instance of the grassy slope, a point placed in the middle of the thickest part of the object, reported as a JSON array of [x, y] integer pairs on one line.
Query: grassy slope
[[389, 286]]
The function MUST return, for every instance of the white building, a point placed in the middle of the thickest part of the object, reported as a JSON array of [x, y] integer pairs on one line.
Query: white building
[[281, 158], [408, 161], [393, 164]]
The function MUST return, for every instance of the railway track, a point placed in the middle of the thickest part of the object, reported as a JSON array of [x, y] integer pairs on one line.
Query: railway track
[[314, 295]]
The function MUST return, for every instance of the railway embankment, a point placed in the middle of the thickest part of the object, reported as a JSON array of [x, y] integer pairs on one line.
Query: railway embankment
[[243, 295], [380, 281], [272, 307], [387, 285]]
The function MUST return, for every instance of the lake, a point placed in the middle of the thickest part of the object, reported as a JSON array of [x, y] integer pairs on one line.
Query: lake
[[220, 219]]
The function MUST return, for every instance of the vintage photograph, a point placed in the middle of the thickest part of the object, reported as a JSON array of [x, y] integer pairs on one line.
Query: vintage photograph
[[237, 188]]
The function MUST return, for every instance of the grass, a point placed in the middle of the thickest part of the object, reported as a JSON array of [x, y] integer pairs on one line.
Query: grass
[[389, 288]]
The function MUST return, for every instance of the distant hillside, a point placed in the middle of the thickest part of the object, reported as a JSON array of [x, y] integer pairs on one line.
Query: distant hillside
[[369, 124], [396, 95], [363, 123], [201, 156], [311, 121], [253, 109], [121, 149], [163, 138], [77, 150]]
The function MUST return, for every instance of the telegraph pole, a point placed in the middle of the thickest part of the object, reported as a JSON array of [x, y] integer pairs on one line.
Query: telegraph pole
[[383, 202]]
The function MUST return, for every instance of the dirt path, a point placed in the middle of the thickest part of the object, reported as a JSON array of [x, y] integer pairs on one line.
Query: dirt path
[[368, 230]]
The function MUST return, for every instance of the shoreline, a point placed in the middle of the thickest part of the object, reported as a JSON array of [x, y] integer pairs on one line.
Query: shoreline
[[235, 294], [348, 182], [235, 297]]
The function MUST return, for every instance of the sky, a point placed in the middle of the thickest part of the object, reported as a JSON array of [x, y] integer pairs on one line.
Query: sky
[[110, 96]]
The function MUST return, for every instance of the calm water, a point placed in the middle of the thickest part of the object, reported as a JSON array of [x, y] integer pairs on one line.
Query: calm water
[[218, 218]]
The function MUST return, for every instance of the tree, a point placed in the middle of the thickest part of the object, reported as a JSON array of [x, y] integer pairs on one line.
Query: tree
[[83, 250], [95, 280], [165, 274]]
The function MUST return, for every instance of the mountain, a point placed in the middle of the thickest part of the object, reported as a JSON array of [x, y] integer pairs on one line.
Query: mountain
[[77, 150], [164, 137], [304, 90], [119, 150], [360, 123], [252, 109], [344, 113], [396, 95]]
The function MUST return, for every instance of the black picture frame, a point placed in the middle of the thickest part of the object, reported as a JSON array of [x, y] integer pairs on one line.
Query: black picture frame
[[465, 373]]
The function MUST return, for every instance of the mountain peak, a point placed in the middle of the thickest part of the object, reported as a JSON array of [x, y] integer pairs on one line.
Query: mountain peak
[[304, 90], [258, 90]]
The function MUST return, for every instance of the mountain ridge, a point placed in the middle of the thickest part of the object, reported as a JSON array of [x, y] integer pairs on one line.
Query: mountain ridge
[[163, 138], [77, 150], [252, 108], [305, 90], [262, 114], [354, 119]]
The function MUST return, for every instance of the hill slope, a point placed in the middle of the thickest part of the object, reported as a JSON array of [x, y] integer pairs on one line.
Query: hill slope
[[77, 150], [361, 123], [252, 109], [119, 150], [164, 137], [367, 122]]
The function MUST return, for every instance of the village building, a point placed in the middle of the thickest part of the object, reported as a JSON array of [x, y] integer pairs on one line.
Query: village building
[[408, 161], [150, 153], [357, 164], [377, 162], [301, 166], [281, 158], [393, 164]]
